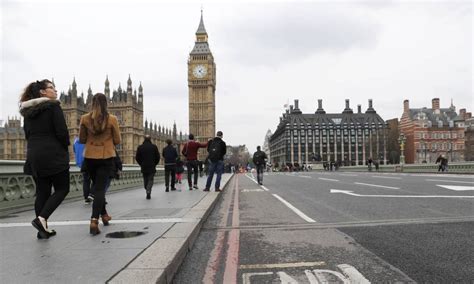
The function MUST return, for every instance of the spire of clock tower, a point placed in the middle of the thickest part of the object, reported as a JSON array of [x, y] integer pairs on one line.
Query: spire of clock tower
[[201, 34]]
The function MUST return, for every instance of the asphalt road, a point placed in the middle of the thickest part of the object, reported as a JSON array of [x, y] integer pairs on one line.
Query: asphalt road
[[312, 227]]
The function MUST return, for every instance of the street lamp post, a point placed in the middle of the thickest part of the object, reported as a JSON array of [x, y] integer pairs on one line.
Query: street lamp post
[[401, 140]]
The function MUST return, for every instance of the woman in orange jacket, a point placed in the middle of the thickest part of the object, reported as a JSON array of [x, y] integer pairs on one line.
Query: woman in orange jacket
[[100, 132]]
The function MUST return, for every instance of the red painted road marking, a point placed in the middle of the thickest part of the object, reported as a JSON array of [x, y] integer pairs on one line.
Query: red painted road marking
[[232, 261], [216, 254]]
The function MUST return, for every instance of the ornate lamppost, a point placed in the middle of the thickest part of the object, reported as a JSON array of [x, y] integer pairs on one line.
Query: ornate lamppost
[[401, 140]]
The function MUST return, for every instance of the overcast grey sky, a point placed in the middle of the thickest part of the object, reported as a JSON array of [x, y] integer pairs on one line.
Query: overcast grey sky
[[266, 53]]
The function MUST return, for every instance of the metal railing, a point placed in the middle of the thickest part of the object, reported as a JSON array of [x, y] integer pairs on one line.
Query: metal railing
[[18, 189], [453, 168]]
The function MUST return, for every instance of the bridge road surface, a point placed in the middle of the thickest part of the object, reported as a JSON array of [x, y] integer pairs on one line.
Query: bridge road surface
[[339, 227]]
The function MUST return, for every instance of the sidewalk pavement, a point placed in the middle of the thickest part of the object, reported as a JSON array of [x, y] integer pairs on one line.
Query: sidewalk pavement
[[170, 223]]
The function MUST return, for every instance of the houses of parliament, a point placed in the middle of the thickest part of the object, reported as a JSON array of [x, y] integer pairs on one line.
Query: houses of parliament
[[127, 105]]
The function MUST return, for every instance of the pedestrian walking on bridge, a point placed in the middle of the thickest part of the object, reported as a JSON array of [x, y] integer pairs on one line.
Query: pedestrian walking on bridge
[[170, 155], [217, 150], [190, 151], [47, 157], [100, 132], [148, 157], [259, 159]]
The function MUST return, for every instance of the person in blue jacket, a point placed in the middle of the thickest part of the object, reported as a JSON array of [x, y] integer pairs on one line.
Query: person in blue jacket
[[87, 182]]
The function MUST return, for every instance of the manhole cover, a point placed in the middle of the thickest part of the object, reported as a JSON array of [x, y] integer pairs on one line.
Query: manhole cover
[[124, 234]]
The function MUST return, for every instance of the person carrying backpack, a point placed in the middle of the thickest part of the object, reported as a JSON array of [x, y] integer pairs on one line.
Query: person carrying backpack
[[217, 149], [259, 159]]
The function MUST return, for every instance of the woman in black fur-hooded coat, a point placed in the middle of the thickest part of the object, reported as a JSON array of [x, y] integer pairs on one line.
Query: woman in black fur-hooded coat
[[47, 157]]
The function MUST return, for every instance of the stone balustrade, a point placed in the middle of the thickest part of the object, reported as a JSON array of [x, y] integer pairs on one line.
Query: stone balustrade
[[18, 189]]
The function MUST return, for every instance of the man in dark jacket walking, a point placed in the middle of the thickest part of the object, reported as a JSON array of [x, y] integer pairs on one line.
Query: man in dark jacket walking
[[190, 151], [216, 148], [259, 159], [148, 157], [170, 155]]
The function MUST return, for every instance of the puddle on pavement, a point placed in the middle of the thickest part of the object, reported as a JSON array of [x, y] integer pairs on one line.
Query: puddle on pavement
[[124, 234]]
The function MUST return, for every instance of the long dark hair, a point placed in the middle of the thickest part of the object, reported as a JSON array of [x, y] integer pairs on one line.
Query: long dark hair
[[99, 113], [32, 91]]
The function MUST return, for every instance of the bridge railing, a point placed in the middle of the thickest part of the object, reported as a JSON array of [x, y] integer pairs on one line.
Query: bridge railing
[[453, 168], [18, 189]]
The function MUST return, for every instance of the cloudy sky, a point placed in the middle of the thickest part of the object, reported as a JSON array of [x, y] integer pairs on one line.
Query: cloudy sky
[[267, 53]]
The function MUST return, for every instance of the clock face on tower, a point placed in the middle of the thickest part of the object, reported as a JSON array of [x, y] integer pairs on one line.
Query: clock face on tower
[[199, 71]]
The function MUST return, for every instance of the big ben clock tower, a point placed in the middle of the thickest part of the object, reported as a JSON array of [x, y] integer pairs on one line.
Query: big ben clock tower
[[202, 89]]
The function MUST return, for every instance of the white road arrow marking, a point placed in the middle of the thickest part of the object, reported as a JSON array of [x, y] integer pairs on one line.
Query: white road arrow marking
[[455, 181], [457, 187], [376, 185], [348, 192]]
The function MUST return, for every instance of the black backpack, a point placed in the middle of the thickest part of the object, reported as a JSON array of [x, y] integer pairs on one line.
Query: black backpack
[[214, 150], [258, 158]]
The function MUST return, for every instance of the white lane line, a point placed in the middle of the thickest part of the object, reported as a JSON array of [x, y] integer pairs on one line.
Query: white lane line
[[348, 175], [455, 181], [130, 221], [387, 177], [264, 188], [305, 176], [353, 274], [376, 185], [348, 192], [296, 210], [252, 190], [457, 187], [329, 179], [251, 178]]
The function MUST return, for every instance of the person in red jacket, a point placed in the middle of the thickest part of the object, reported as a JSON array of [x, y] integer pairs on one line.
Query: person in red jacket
[[190, 151]]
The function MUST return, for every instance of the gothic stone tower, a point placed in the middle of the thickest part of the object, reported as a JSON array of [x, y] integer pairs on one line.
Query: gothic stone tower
[[202, 89]]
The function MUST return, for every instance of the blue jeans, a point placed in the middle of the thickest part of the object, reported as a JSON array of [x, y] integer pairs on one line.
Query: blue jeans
[[218, 168]]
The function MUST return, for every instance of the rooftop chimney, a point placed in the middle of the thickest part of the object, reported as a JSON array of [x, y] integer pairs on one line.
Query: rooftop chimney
[[320, 109], [370, 109], [347, 109], [462, 113], [435, 103], [291, 108], [468, 115], [297, 109], [359, 109], [406, 105]]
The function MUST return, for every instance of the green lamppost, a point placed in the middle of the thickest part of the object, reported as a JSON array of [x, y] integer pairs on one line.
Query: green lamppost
[[401, 140]]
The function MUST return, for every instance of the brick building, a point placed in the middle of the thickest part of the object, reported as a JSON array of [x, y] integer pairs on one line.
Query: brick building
[[431, 132]]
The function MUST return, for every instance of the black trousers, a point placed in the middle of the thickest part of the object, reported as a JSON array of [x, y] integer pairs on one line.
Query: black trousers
[[193, 167], [170, 170], [260, 173], [148, 180], [99, 171], [45, 202]]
